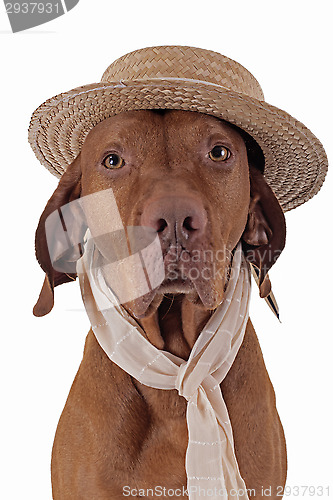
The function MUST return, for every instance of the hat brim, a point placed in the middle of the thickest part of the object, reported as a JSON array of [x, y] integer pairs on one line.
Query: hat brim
[[295, 160]]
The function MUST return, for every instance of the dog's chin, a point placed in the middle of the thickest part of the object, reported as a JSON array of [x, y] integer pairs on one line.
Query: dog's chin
[[202, 295]]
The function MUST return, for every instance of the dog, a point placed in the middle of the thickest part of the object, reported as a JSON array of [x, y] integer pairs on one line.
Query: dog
[[197, 181], [179, 144]]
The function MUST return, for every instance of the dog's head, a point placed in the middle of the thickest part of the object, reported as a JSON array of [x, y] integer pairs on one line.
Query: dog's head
[[192, 179]]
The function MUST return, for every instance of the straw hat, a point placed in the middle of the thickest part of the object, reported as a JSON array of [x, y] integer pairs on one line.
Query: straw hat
[[187, 78]]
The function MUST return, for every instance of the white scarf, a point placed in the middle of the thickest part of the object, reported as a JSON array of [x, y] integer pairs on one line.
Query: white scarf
[[211, 464]]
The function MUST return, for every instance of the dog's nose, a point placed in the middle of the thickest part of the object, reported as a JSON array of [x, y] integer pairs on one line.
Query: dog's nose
[[177, 220]]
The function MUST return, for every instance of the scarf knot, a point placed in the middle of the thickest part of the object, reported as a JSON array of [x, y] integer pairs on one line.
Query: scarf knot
[[190, 378]]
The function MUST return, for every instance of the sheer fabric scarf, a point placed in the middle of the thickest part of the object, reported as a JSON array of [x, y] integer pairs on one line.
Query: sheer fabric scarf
[[211, 464]]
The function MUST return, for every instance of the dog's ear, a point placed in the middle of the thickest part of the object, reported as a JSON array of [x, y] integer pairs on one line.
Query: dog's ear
[[265, 232], [59, 237]]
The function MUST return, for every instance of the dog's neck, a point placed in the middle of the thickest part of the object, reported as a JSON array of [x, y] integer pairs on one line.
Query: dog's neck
[[176, 325]]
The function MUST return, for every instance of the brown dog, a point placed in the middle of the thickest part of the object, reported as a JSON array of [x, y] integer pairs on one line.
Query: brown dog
[[197, 182]]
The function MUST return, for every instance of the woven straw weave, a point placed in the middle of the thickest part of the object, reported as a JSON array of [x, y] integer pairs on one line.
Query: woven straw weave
[[180, 62], [189, 79]]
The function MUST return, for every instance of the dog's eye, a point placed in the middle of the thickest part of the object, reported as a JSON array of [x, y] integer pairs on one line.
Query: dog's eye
[[219, 153], [113, 161]]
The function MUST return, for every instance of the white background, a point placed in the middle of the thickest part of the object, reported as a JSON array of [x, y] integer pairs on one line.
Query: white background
[[288, 47]]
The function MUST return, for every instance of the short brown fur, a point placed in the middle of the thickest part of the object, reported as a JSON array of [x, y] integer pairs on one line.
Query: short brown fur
[[114, 431]]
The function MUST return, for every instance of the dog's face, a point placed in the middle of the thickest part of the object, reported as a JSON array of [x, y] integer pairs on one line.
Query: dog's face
[[187, 177]]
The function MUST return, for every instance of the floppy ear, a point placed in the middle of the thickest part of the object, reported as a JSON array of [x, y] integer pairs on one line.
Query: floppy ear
[[59, 236], [265, 232]]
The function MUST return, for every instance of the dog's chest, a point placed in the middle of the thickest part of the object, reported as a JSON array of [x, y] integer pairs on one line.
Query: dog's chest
[[163, 452], [167, 404]]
